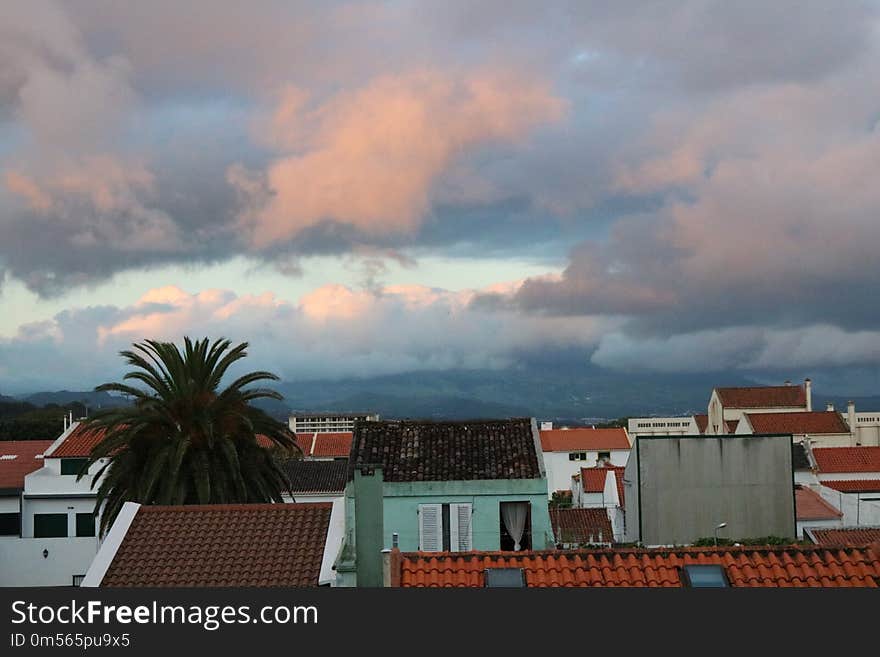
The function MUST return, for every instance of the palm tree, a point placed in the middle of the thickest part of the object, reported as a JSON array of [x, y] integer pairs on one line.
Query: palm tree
[[184, 441]]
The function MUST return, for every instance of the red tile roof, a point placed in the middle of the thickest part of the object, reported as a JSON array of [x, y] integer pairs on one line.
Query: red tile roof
[[571, 440], [332, 445], [593, 480], [79, 442], [847, 459], [811, 506], [702, 422], [304, 441], [854, 485], [763, 397], [746, 566], [816, 422], [13, 470], [235, 545], [846, 536], [581, 526]]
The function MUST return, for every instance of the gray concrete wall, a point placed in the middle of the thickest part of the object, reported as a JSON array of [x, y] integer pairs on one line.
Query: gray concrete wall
[[688, 486]]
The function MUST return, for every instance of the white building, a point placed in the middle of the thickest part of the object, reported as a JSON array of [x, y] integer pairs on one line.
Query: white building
[[663, 426], [819, 428], [57, 523], [566, 451], [328, 422]]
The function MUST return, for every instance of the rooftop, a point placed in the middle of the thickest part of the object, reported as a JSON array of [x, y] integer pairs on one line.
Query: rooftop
[[746, 566], [815, 422], [847, 459], [811, 506], [316, 476], [846, 536], [447, 451], [19, 458], [234, 545], [593, 480], [79, 442], [332, 445], [854, 485], [570, 440], [763, 397], [581, 526]]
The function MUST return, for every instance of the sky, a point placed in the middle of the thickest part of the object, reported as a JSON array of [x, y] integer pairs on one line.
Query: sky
[[362, 188]]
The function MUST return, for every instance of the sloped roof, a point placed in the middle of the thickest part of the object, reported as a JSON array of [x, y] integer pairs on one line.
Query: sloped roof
[[234, 545], [78, 443], [316, 476], [853, 485], [746, 566], [332, 445], [702, 421], [847, 459], [18, 458], [810, 506], [847, 536], [593, 480], [581, 525], [763, 397], [571, 440], [447, 451], [815, 422]]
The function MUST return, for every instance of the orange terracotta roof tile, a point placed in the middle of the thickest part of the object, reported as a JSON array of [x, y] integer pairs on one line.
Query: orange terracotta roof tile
[[332, 445], [79, 442], [847, 459], [581, 525], [854, 485], [304, 442], [810, 506], [846, 536], [815, 422], [18, 458], [235, 545], [570, 440], [763, 397], [746, 566]]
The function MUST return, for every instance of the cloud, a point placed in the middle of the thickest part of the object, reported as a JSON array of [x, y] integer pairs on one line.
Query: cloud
[[332, 331], [368, 158]]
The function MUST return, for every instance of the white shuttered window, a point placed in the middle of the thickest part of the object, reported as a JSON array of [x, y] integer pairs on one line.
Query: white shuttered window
[[431, 527], [461, 533]]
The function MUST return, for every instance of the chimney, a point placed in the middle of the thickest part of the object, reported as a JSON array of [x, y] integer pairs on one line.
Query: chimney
[[808, 389], [368, 526], [829, 407], [391, 564], [788, 382], [851, 420]]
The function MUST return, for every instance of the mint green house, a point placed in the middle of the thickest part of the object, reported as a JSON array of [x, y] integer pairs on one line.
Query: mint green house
[[442, 487]]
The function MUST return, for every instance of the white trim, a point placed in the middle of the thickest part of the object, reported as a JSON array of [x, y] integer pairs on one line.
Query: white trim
[[107, 551], [335, 534], [60, 439]]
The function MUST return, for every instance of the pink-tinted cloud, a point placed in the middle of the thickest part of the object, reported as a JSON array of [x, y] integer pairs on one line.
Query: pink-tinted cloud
[[369, 158]]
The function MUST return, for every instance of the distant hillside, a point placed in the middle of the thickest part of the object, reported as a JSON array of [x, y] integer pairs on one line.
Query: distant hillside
[[93, 400]]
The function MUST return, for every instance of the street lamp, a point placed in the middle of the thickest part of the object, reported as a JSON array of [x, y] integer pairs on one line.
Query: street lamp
[[721, 526]]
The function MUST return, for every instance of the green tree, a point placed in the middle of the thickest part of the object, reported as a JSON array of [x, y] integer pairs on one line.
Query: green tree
[[184, 440]]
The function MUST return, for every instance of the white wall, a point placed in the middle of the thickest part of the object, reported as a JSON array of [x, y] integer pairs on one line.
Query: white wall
[[69, 505], [560, 468], [817, 524], [9, 504], [662, 426], [855, 511], [23, 563]]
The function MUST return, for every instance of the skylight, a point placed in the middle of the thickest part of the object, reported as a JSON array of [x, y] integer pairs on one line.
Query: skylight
[[505, 578], [703, 576]]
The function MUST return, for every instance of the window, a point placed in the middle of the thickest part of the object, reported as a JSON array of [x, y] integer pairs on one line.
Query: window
[[606, 456], [703, 576], [10, 524], [85, 524], [577, 456], [445, 527], [516, 518], [72, 466], [78, 579], [505, 578], [50, 525]]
